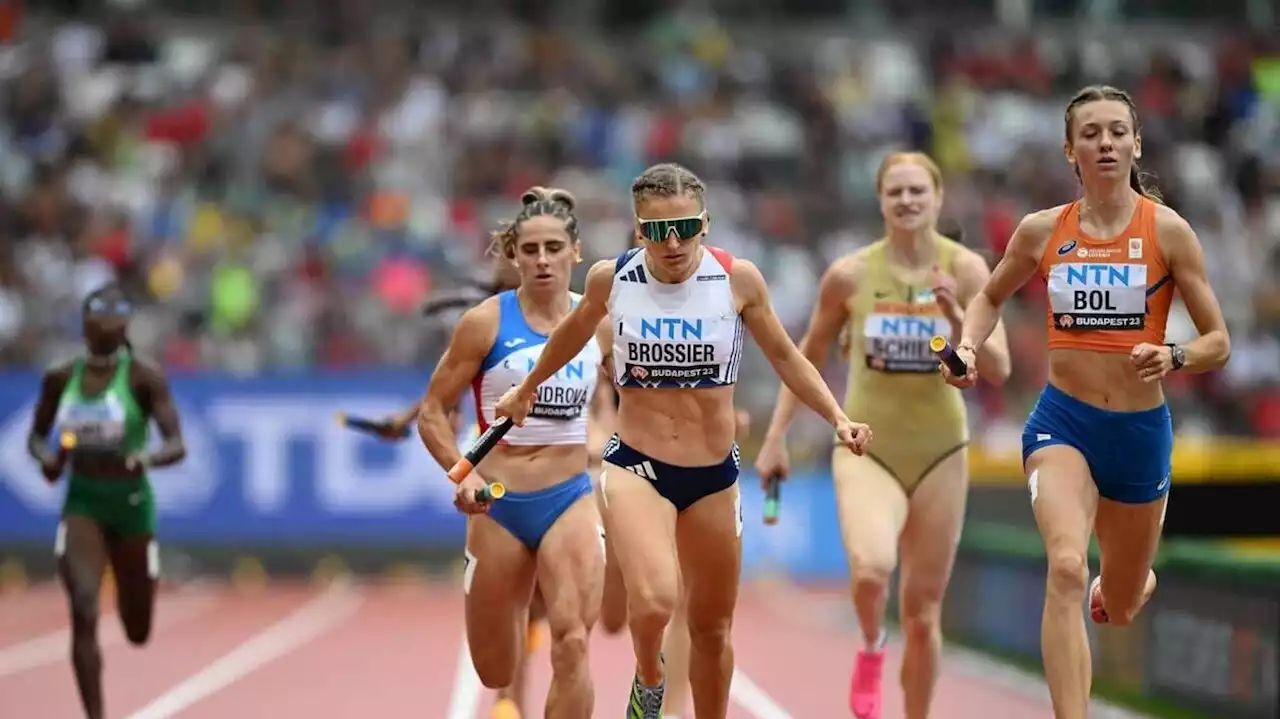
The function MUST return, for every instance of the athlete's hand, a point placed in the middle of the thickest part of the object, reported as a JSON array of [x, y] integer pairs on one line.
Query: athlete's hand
[[392, 429], [944, 293], [774, 461], [51, 467], [854, 435], [970, 358], [464, 495], [514, 404], [1151, 361], [135, 462]]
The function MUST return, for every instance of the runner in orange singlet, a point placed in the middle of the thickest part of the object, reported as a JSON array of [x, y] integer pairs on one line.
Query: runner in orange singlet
[[1098, 446]]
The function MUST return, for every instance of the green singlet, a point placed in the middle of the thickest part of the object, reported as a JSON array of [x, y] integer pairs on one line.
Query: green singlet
[[111, 421]]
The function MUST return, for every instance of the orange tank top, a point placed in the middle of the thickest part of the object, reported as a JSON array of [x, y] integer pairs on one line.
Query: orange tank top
[[1106, 295]]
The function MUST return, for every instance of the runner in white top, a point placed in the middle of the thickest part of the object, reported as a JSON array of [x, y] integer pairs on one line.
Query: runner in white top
[[547, 526], [676, 313]]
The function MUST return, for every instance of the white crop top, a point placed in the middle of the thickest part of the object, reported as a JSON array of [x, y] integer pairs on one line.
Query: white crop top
[[559, 414], [687, 335]]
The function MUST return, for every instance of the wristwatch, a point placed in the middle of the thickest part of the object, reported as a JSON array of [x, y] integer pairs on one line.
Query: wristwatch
[[1177, 354]]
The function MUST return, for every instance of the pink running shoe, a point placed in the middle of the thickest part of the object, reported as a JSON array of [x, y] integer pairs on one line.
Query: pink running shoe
[[1096, 610], [864, 690]]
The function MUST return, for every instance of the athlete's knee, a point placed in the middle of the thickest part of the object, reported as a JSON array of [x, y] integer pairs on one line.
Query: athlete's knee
[[568, 647], [710, 635], [84, 609], [921, 615], [1068, 573], [652, 601], [870, 576]]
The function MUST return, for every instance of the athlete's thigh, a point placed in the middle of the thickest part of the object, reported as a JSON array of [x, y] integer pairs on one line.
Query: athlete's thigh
[[81, 550], [570, 564], [498, 583], [641, 527], [709, 534], [1128, 537], [872, 508], [1064, 498], [135, 561], [932, 531]]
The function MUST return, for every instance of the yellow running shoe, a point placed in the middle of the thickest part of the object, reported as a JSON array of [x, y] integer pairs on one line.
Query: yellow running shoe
[[505, 709]]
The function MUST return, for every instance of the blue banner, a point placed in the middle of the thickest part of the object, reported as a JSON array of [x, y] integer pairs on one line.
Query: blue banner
[[267, 464]]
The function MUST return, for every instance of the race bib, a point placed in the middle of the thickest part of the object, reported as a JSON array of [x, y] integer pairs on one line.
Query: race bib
[[1086, 296]]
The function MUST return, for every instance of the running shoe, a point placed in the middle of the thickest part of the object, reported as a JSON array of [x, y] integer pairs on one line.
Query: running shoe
[[505, 709], [646, 702], [864, 688], [1096, 611]]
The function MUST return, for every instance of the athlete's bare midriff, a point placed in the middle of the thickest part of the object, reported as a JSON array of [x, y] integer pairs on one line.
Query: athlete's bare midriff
[[684, 427], [530, 468], [1106, 380]]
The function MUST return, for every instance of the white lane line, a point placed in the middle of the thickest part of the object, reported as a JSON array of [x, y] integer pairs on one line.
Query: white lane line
[[465, 696], [53, 647], [320, 614], [754, 699]]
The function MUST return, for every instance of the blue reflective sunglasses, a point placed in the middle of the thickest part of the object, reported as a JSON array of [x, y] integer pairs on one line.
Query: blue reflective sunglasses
[[101, 306]]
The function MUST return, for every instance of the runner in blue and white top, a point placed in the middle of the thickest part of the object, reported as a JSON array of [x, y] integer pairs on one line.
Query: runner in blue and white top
[[675, 312], [547, 526]]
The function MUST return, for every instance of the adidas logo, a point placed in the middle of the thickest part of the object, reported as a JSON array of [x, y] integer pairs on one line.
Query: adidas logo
[[644, 469], [636, 274]]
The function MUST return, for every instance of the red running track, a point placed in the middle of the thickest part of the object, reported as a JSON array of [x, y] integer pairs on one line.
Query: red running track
[[358, 650]]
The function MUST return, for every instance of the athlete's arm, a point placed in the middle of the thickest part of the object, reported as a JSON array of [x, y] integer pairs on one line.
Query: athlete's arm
[[793, 368], [46, 413], [604, 413], [156, 401], [1183, 252], [972, 275], [1017, 266], [458, 367], [575, 330], [830, 315]]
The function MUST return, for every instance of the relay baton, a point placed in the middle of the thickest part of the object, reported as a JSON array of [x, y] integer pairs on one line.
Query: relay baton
[[942, 349], [371, 426], [66, 442], [772, 496], [481, 447]]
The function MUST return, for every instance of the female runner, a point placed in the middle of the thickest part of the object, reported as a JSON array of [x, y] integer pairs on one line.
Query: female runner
[[510, 700], [1097, 448], [613, 608], [908, 492], [547, 528], [106, 399], [676, 312]]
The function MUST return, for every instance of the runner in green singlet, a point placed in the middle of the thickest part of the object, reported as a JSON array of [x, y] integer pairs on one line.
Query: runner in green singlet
[[106, 399]]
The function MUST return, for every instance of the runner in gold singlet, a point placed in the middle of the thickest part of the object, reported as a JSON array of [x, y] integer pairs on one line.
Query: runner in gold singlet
[[892, 374], [908, 491]]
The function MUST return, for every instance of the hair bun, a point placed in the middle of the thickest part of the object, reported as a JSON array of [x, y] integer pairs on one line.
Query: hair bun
[[548, 194]]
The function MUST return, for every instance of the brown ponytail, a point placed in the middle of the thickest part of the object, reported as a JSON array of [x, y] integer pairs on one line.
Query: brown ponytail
[[537, 202]]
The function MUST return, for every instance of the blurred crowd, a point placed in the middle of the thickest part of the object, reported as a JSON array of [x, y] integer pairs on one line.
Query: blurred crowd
[[285, 200]]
